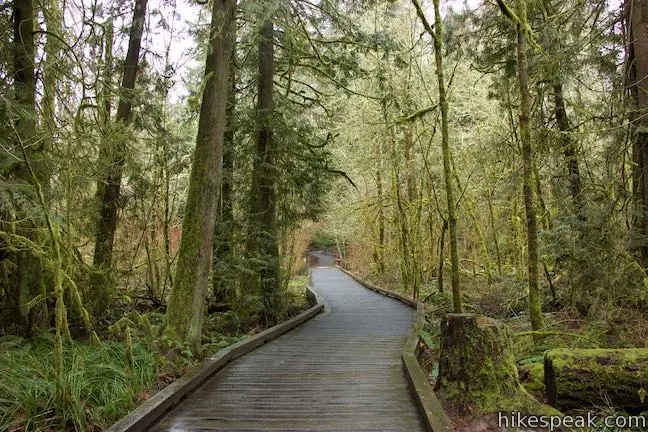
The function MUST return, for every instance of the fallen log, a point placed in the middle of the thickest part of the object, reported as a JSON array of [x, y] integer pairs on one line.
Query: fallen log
[[477, 369], [577, 378]]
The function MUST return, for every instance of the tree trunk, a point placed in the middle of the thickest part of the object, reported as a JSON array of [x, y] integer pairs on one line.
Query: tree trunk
[[535, 304], [224, 288], [444, 228], [491, 217], [447, 169], [106, 72], [263, 239], [113, 155], [437, 37], [637, 16], [379, 249], [477, 369], [185, 311], [483, 247], [401, 221], [53, 20], [29, 278], [568, 147], [597, 377]]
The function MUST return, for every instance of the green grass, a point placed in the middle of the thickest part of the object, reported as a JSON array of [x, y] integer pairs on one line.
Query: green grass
[[98, 386]]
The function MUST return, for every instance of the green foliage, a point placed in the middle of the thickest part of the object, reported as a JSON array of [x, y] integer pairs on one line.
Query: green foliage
[[99, 385], [429, 339], [591, 254], [323, 239]]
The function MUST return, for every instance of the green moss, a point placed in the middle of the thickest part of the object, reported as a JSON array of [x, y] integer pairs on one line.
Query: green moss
[[608, 376], [478, 368], [532, 377]]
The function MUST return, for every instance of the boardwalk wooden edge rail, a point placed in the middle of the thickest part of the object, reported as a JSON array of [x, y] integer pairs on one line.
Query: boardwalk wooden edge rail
[[436, 420], [147, 413]]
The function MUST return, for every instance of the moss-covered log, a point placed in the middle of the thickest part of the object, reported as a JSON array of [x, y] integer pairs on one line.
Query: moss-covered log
[[587, 377], [477, 369]]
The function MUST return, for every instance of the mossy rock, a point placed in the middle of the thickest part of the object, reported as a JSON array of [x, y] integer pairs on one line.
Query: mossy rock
[[477, 369]]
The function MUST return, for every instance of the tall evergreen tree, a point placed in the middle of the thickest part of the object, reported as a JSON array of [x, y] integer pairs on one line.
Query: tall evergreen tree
[[637, 40], [113, 157], [29, 278], [186, 307], [263, 231], [535, 301]]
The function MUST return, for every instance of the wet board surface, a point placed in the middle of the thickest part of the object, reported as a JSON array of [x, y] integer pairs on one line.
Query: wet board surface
[[340, 371]]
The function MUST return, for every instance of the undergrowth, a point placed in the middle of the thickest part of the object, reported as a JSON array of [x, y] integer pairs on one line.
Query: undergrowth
[[99, 385]]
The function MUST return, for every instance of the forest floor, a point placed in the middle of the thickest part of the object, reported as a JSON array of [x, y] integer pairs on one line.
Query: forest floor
[[504, 299], [101, 384]]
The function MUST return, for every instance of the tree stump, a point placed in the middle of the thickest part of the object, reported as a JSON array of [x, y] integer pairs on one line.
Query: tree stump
[[587, 377], [477, 370]]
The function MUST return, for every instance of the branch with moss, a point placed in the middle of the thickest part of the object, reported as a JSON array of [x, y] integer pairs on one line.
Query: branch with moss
[[426, 24]]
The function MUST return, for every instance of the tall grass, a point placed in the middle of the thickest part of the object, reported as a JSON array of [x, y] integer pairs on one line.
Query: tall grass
[[98, 387]]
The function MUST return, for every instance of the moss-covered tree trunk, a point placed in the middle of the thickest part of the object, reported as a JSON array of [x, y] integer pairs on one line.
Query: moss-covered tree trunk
[[580, 378], [470, 208], [185, 310], [113, 158], [106, 71], [568, 147], [401, 222], [29, 274], [535, 302], [445, 147], [437, 36], [637, 40], [263, 242], [224, 288], [53, 16], [379, 247], [444, 229], [477, 368]]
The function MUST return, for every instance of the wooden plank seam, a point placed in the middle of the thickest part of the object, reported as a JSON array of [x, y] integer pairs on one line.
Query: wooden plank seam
[[148, 412], [434, 416]]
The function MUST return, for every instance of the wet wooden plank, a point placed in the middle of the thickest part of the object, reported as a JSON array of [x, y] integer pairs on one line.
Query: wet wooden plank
[[151, 410], [408, 301], [341, 371], [434, 416]]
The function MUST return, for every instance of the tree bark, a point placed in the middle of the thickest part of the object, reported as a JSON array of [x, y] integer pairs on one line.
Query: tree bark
[[483, 247], [29, 278], [185, 311], [477, 369], [637, 17], [379, 249], [223, 286], [264, 196], [113, 154], [51, 71], [535, 305], [569, 149], [444, 228], [106, 73], [597, 377], [447, 168]]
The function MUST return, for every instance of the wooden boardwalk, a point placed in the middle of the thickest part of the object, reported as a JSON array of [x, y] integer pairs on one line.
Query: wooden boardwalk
[[340, 371]]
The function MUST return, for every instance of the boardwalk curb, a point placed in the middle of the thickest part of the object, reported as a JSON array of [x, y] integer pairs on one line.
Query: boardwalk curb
[[434, 416], [147, 413]]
